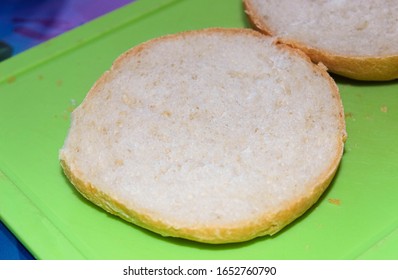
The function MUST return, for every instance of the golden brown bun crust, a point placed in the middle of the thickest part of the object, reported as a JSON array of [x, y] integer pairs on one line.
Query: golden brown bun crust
[[379, 68], [267, 225]]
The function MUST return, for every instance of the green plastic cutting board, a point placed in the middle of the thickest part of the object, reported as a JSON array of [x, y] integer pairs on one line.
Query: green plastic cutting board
[[357, 218]]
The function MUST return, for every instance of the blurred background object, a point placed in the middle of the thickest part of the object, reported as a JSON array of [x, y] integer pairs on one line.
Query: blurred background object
[[26, 23], [5, 51]]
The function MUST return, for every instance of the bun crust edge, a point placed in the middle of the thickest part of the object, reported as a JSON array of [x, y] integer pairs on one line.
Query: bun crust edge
[[266, 225]]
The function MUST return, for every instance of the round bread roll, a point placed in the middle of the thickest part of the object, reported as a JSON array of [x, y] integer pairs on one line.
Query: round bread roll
[[356, 39], [215, 135]]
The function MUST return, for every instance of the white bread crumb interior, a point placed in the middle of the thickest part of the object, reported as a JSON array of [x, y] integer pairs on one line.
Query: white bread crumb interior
[[215, 129]]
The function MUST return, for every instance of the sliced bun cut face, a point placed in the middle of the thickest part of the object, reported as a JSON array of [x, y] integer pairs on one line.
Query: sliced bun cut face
[[216, 135], [356, 39]]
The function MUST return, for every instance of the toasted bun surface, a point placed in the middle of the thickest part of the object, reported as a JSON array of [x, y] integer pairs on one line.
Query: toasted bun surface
[[356, 39], [216, 135]]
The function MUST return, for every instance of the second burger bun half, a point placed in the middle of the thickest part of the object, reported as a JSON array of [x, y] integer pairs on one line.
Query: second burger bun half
[[355, 39]]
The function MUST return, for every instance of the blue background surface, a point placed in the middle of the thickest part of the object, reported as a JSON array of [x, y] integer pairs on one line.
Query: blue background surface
[[10, 248]]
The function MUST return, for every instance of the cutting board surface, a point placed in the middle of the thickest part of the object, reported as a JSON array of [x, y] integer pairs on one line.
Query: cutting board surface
[[357, 218]]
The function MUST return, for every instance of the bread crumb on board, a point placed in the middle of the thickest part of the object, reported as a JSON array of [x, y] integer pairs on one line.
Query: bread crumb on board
[[384, 109], [11, 79], [335, 201], [69, 109]]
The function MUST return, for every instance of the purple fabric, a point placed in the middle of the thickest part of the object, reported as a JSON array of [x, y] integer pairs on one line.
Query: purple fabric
[[26, 23]]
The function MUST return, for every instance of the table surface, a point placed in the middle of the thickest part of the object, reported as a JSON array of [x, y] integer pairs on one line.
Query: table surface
[[356, 218], [28, 23]]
